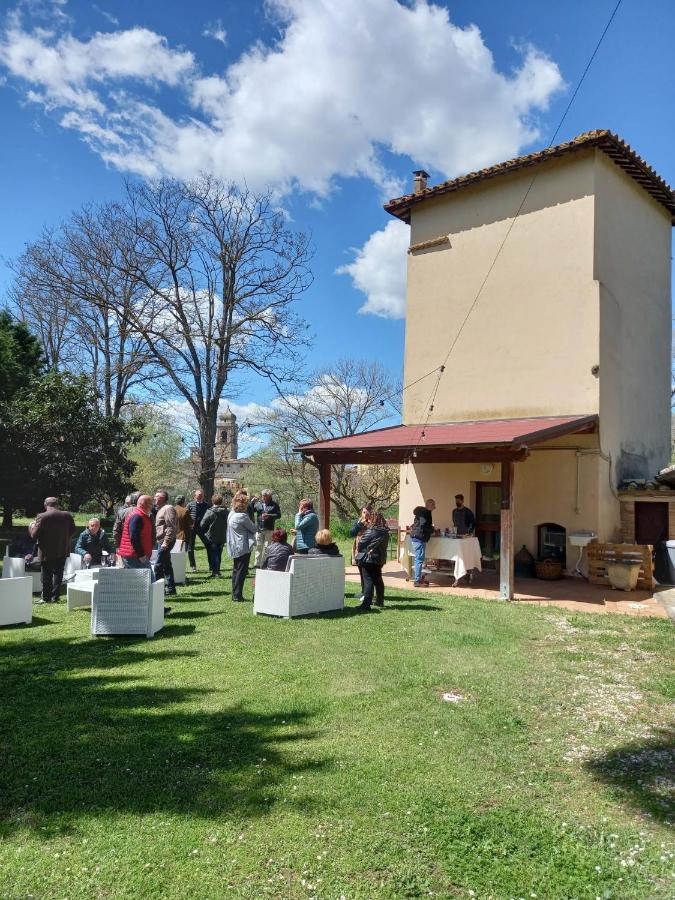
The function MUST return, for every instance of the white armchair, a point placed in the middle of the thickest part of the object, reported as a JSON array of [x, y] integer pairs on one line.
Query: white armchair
[[125, 601], [15, 567], [16, 603], [312, 584], [80, 591]]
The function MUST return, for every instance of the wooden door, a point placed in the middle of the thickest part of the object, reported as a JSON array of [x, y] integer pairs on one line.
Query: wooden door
[[488, 516], [651, 523]]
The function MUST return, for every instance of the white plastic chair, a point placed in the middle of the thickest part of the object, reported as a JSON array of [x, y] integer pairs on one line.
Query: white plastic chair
[[179, 563], [311, 584], [16, 603], [125, 601]]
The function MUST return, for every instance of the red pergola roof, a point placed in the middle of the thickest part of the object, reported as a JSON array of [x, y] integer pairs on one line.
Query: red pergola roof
[[484, 436]]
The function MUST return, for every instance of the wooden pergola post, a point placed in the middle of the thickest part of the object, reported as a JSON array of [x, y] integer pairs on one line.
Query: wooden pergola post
[[506, 575], [324, 494]]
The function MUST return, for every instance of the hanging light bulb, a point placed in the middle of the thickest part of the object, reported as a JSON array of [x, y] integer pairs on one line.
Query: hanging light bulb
[[381, 402], [414, 454]]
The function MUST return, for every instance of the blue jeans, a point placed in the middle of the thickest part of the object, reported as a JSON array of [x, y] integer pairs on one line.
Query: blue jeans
[[419, 549], [132, 562], [215, 555]]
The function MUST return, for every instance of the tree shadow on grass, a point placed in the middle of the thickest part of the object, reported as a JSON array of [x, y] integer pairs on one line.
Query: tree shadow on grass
[[406, 607], [195, 614], [80, 736], [642, 773]]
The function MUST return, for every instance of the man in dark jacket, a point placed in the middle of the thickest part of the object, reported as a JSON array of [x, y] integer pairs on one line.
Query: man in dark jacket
[[214, 533], [463, 518], [420, 532], [267, 513], [197, 509], [92, 542], [53, 530], [23, 547]]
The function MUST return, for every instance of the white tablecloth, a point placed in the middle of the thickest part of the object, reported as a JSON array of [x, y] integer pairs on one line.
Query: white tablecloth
[[464, 552]]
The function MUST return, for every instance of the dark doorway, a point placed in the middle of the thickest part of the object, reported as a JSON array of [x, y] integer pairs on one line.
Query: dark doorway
[[552, 542], [488, 518], [651, 523]]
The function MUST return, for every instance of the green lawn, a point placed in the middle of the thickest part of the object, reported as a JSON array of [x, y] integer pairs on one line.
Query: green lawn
[[235, 756]]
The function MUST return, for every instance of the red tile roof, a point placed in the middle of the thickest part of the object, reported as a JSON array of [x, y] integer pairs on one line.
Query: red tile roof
[[505, 433], [611, 144]]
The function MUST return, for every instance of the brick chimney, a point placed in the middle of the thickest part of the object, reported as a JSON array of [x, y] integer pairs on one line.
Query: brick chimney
[[420, 182]]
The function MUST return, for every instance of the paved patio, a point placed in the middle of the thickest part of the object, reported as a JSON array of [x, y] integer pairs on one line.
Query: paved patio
[[575, 594]]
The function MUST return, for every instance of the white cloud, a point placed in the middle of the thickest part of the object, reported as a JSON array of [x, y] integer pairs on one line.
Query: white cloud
[[216, 31], [106, 15], [67, 73], [379, 271], [343, 82]]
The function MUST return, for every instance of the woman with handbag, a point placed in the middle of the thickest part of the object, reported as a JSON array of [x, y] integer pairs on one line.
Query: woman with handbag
[[371, 555]]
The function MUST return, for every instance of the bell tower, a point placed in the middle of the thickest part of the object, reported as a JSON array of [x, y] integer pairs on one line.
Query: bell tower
[[227, 435]]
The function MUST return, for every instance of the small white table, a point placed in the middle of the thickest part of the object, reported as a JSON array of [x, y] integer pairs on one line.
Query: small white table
[[464, 552]]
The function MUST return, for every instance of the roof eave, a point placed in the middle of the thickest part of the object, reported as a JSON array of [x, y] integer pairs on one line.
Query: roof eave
[[609, 143]]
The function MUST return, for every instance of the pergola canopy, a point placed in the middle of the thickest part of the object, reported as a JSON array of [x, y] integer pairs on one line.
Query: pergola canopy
[[505, 441], [487, 440]]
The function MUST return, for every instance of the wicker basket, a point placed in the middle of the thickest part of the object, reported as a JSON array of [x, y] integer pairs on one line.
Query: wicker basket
[[549, 569]]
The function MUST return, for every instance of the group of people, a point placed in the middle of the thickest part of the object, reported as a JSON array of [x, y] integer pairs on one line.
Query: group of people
[[464, 523], [147, 529]]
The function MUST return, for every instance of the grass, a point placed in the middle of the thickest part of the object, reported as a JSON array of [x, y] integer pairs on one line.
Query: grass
[[249, 757]]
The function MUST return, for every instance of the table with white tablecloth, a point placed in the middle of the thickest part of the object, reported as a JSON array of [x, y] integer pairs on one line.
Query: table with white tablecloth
[[464, 552]]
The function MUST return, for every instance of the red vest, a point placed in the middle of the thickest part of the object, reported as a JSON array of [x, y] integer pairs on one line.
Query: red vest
[[126, 547]]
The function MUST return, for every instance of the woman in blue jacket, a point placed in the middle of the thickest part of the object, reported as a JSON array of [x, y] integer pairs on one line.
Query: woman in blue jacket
[[306, 527]]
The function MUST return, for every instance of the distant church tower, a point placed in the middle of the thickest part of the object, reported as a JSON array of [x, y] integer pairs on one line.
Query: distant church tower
[[227, 435]]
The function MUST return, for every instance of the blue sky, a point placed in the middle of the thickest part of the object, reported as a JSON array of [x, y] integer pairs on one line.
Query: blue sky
[[334, 104]]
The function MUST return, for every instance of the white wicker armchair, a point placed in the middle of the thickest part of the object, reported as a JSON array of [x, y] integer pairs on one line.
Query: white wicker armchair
[[312, 584], [125, 601]]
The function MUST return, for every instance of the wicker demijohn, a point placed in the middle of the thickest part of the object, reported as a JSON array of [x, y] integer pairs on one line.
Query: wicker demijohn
[[549, 569]]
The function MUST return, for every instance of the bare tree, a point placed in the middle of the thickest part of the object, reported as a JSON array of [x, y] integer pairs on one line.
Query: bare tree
[[219, 271], [78, 301], [41, 304], [347, 397]]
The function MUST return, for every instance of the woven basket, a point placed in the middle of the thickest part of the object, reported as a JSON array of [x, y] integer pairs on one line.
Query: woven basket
[[549, 569]]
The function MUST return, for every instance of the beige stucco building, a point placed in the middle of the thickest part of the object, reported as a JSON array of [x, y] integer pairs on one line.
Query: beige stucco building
[[538, 347], [563, 310]]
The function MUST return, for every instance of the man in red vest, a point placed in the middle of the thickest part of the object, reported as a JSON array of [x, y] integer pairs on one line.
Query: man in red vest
[[136, 542]]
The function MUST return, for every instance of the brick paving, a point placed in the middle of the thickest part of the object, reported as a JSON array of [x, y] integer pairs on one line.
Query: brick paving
[[571, 593]]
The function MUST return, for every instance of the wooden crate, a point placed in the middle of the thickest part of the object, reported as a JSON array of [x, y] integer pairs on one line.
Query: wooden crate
[[601, 554]]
